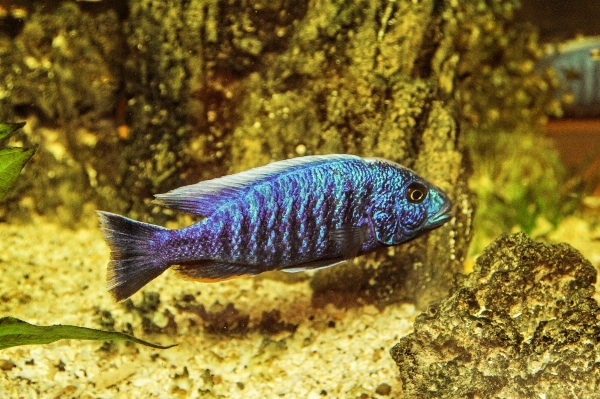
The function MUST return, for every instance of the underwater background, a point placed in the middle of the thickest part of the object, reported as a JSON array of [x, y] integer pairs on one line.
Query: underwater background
[[496, 102]]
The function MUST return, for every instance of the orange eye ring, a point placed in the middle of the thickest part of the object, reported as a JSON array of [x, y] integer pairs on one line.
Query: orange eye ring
[[416, 193]]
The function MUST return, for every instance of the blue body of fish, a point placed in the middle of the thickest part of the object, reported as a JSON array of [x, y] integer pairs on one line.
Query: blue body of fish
[[299, 214], [577, 63]]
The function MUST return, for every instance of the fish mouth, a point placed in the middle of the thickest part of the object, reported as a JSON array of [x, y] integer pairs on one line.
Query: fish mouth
[[441, 217]]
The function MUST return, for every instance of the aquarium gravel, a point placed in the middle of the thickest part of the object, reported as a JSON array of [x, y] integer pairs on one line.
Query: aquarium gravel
[[54, 275]]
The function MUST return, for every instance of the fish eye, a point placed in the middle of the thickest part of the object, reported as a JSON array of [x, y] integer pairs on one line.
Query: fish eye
[[416, 192]]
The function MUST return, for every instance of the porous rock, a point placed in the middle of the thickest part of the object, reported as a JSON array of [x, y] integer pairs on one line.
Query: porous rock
[[522, 325]]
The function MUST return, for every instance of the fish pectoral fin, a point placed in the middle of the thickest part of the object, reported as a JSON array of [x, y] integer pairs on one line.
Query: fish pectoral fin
[[213, 271], [350, 239], [314, 265]]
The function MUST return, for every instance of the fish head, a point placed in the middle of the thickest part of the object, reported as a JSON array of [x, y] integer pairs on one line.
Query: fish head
[[415, 207]]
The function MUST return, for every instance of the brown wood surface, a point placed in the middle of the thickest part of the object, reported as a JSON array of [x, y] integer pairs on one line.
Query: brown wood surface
[[578, 141]]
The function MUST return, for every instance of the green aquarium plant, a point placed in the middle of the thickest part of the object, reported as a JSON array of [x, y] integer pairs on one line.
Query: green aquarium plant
[[15, 332], [12, 159], [520, 184]]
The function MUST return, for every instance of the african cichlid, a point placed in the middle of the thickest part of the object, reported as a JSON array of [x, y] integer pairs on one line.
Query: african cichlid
[[300, 214], [577, 64]]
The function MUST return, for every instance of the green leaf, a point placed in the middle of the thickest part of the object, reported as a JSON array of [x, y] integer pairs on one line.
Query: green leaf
[[8, 128], [12, 161], [15, 332]]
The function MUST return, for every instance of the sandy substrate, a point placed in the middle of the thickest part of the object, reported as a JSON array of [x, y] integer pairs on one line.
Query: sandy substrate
[[52, 275]]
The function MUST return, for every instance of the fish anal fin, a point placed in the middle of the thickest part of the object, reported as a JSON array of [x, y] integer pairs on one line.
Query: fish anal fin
[[209, 271]]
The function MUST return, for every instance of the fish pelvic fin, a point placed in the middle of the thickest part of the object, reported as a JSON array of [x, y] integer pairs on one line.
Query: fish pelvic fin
[[133, 259], [314, 265]]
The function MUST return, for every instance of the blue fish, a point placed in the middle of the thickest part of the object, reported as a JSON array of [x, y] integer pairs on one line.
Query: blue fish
[[577, 64], [300, 214]]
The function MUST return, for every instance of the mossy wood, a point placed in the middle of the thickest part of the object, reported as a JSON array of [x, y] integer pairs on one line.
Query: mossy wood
[[263, 81], [211, 87], [15, 332]]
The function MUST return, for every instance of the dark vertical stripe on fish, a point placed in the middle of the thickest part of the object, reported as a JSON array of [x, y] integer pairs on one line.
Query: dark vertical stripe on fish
[[292, 246], [225, 234]]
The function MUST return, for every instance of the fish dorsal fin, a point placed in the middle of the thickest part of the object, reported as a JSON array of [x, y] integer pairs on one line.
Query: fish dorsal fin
[[207, 196]]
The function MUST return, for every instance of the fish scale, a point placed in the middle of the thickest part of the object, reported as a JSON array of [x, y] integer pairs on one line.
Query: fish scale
[[299, 214]]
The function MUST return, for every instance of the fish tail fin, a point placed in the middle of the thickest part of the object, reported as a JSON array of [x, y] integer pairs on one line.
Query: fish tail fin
[[133, 258]]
